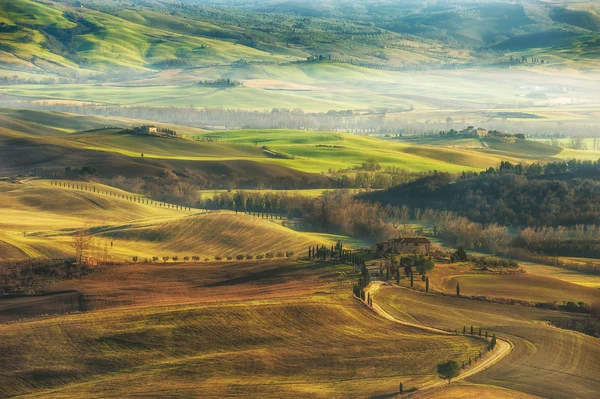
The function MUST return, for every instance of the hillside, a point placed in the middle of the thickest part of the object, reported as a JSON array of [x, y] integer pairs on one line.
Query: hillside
[[557, 193], [40, 219], [539, 350], [302, 336], [48, 139], [114, 35]]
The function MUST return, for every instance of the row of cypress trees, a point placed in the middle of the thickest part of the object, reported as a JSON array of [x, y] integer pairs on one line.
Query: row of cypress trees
[[137, 199]]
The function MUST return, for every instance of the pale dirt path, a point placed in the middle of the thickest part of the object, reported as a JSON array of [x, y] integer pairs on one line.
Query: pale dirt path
[[503, 347]]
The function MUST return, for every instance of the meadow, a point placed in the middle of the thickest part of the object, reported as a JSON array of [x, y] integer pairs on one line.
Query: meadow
[[39, 219]]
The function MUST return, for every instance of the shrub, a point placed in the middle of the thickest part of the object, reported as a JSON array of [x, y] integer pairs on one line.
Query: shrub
[[155, 258], [240, 257], [195, 258], [218, 257], [175, 258], [165, 259], [186, 258], [230, 257], [280, 254], [270, 255], [206, 259], [289, 254], [260, 256], [249, 257], [135, 258]]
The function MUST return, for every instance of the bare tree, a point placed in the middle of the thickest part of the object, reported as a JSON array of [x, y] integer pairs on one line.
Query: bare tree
[[82, 240]]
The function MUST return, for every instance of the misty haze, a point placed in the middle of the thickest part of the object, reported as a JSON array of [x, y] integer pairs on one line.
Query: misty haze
[[300, 199]]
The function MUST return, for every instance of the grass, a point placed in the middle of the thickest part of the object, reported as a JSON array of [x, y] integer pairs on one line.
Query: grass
[[534, 286], [39, 219], [571, 276], [311, 150], [540, 351], [357, 149], [259, 329], [466, 391], [307, 147]]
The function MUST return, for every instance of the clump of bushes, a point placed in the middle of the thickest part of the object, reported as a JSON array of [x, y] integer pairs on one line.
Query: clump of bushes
[[485, 262], [29, 276]]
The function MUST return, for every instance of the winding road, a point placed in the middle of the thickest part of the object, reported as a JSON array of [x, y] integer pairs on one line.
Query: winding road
[[503, 347]]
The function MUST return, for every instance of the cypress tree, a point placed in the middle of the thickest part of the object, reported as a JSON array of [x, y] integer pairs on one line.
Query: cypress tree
[[427, 284], [486, 334], [387, 273], [412, 279], [309, 249], [493, 343], [457, 289], [471, 330], [401, 388], [469, 360], [480, 331], [464, 329], [398, 275]]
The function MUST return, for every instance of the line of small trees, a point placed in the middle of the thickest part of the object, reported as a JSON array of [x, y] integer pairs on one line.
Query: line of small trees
[[196, 258], [132, 198]]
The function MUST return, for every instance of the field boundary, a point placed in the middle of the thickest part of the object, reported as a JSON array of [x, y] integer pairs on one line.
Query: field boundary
[[504, 346]]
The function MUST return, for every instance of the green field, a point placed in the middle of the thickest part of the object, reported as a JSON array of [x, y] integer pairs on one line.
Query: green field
[[309, 151]]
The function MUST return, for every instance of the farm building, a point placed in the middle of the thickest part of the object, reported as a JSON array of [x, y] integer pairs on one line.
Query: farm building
[[406, 245]]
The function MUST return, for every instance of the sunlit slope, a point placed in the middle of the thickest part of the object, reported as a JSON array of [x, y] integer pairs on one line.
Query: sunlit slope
[[113, 153], [531, 287], [341, 150], [81, 36], [524, 287], [307, 151], [546, 361], [311, 151], [315, 346], [216, 233], [38, 220]]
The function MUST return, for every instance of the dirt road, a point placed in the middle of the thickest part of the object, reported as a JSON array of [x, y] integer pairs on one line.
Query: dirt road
[[503, 347]]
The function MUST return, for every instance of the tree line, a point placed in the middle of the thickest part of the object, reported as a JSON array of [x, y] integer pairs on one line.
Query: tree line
[[360, 123], [560, 193]]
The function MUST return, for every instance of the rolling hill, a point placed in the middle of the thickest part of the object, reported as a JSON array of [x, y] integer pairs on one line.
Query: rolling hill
[[540, 350], [40, 219], [210, 330]]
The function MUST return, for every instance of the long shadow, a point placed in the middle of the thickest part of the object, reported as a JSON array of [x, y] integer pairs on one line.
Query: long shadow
[[385, 395], [266, 274]]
